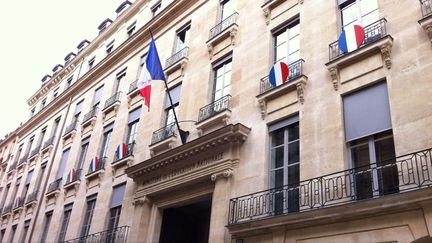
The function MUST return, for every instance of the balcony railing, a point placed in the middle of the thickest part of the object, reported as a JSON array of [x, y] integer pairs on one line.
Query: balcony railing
[[35, 151], [110, 101], [54, 185], [118, 235], [129, 152], [73, 179], [405, 173], [373, 33], [13, 166], [295, 70], [48, 142], [426, 8], [32, 197], [99, 167], [183, 53], [23, 159], [71, 127], [164, 133], [7, 209], [214, 108], [19, 202], [225, 24], [90, 115], [133, 86]]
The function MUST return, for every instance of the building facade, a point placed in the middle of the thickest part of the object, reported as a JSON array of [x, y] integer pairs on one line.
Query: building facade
[[340, 152]]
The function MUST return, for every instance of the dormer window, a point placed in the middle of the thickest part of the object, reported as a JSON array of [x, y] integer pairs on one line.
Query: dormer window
[[156, 9], [110, 47], [45, 79], [83, 44], [123, 6], [131, 29], [69, 57], [57, 68], [104, 25]]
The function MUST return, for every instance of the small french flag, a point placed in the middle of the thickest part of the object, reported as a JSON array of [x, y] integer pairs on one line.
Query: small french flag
[[71, 176], [121, 151], [351, 38], [94, 164], [278, 74]]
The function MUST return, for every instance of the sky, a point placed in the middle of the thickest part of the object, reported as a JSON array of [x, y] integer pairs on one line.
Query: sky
[[36, 35]]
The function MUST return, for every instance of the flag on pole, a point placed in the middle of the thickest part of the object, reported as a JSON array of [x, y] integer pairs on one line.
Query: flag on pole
[[152, 70]]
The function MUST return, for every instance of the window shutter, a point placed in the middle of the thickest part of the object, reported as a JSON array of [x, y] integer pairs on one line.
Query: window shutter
[[29, 177], [64, 159], [283, 123], [134, 115], [175, 96], [117, 197], [108, 127]]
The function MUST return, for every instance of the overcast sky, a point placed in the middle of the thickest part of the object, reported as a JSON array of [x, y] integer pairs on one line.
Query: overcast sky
[[35, 36]]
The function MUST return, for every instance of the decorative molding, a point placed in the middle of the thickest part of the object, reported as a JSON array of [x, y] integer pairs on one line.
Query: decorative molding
[[386, 52], [233, 33], [428, 29], [210, 50], [267, 13], [300, 91], [334, 73], [223, 174], [141, 201]]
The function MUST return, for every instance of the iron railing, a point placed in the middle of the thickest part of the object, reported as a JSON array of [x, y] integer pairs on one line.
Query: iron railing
[[214, 108], [373, 33], [71, 127], [111, 100], [7, 208], [54, 185], [183, 53], [295, 70], [19, 202], [405, 173], [32, 197], [426, 8], [75, 178], [13, 166], [98, 168], [117, 235], [223, 25], [90, 115], [35, 151], [49, 142], [23, 159], [133, 86], [164, 133], [129, 152]]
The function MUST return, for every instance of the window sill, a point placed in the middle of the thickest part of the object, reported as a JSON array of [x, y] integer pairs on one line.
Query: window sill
[[163, 145], [180, 64], [68, 137], [73, 187], [426, 24], [88, 125], [110, 109], [46, 151], [94, 176], [219, 120], [116, 165]]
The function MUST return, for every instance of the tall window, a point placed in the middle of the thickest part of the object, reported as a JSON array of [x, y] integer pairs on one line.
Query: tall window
[[110, 47], [363, 12], [115, 206], [155, 10], [12, 236], [43, 103], [68, 82], [222, 79], [29, 145], [46, 227], [24, 234], [2, 234], [18, 154], [5, 194], [133, 121], [41, 176], [181, 38], [170, 108], [226, 9], [97, 96], [368, 133], [15, 190], [65, 222], [285, 163], [287, 43], [84, 147], [55, 126], [63, 162], [119, 78], [78, 108], [131, 29], [91, 63], [142, 62], [106, 140], [91, 203], [27, 184], [41, 136], [55, 93]]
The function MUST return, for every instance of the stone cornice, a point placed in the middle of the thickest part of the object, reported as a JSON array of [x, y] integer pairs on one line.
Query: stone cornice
[[227, 135]]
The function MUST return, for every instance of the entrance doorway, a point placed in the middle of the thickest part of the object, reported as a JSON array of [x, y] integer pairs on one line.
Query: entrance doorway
[[189, 224]]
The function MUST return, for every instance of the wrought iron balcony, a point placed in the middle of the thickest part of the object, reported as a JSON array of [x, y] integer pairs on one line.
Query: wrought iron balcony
[[54, 186], [23, 159], [35, 151], [214, 108], [405, 173], [426, 8], [295, 70], [110, 101], [19, 202], [7, 209], [183, 53], [133, 86], [373, 33], [71, 127], [90, 115], [48, 142], [164, 133], [117, 235], [32, 197], [129, 152], [98, 168], [225, 24], [73, 179]]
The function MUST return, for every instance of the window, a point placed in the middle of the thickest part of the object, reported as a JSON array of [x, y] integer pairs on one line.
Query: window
[[78, 108], [26, 227], [181, 38], [91, 203], [110, 47], [287, 43], [68, 82], [131, 29], [156, 9], [63, 162], [2, 234], [5, 194], [97, 96], [142, 62], [120, 76], [133, 121], [226, 9], [41, 176], [41, 137], [368, 133], [363, 12], [115, 206], [29, 145], [15, 191], [43, 103], [55, 93], [46, 227], [83, 153], [27, 184], [55, 126], [222, 78], [285, 164], [12, 236], [65, 222], [106, 140], [170, 108], [91, 63]]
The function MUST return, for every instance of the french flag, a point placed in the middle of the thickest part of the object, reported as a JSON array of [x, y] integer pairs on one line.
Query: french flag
[[351, 38], [278, 74], [71, 176], [121, 151], [94, 164], [152, 70]]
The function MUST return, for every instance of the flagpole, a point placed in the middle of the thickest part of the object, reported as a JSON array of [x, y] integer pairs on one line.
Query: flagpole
[[183, 134]]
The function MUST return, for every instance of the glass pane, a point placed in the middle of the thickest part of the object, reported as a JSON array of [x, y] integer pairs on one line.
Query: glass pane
[[368, 6], [278, 137], [294, 175], [293, 132], [228, 9], [226, 90], [293, 153], [294, 44], [294, 31], [349, 14], [277, 157], [388, 177], [227, 78], [370, 18], [219, 83], [277, 178], [360, 156], [281, 52], [281, 38], [295, 56], [218, 94], [228, 66], [385, 151]]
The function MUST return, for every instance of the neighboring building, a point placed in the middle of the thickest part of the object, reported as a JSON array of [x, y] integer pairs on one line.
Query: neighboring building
[[339, 153]]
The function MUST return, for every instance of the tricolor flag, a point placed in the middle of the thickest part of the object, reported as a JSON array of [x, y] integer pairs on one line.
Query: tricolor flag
[[278, 74], [94, 164], [121, 151], [351, 38], [152, 70], [71, 176]]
